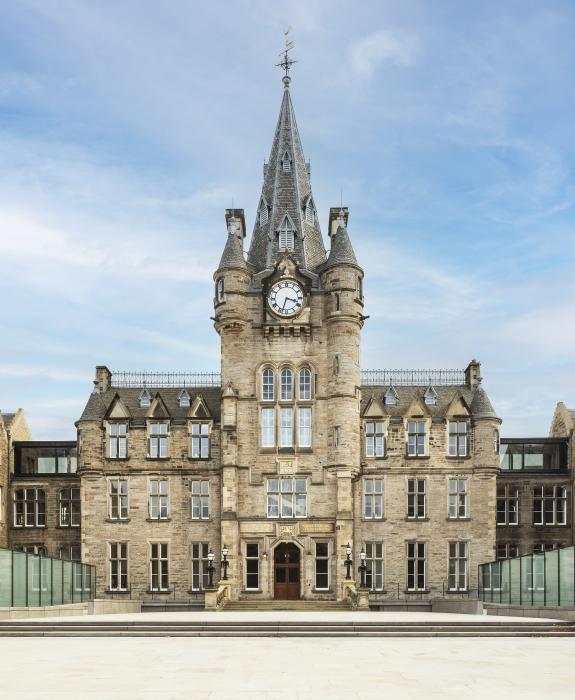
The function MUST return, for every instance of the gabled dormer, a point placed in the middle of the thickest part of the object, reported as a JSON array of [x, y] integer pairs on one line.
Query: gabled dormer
[[184, 398], [199, 409], [286, 234], [145, 398], [391, 397], [158, 409], [117, 410], [430, 396], [374, 409]]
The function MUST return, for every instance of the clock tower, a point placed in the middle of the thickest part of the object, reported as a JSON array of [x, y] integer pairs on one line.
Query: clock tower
[[289, 316]]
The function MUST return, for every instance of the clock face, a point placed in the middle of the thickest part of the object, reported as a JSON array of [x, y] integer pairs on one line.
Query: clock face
[[286, 298]]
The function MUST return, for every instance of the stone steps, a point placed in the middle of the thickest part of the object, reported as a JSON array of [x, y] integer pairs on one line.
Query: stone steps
[[275, 628], [294, 605]]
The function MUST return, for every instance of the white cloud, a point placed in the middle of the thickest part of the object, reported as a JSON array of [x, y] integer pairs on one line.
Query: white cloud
[[368, 53]]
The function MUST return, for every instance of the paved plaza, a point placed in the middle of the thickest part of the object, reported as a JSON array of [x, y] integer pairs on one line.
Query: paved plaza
[[278, 669]]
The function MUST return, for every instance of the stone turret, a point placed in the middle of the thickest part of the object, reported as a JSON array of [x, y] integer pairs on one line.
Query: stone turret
[[232, 278]]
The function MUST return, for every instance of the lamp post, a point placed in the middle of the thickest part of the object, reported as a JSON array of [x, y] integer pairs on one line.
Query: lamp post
[[348, 562], [362, 569], [211, 569], [225, 563]]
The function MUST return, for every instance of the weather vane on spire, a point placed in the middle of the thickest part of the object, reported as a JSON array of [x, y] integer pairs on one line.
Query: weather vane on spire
[[287, 62]]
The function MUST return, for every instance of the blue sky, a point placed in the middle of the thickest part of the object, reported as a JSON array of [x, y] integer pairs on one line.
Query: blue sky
[[126, 129]]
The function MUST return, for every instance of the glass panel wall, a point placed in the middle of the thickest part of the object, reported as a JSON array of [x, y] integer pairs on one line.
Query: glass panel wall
[[30, 580], [544, 455], [541, 579], [45, 458]]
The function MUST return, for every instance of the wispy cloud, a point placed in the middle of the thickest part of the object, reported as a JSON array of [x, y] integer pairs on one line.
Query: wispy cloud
[[368, 53]]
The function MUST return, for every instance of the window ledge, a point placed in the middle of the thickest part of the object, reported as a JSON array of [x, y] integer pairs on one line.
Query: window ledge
[[117, 459], [373, 520], [118, 520], [460, 591], [453, 458], [157, 459], [512, 525], [27, 527], [67, 527], [115, 592], [545, 526], [199, 459], [414, 457], [416, 520], [417, 592], [252, 591], [166, 591], [158, 520], [458, 520]]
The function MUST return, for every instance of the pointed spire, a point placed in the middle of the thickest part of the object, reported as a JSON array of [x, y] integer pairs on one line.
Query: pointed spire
[[341, 251], [281, 219], [233, 255]]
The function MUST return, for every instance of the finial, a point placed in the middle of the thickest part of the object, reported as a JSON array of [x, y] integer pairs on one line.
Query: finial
[[286, 62]]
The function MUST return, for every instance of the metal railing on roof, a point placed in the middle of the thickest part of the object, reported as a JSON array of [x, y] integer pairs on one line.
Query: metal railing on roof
[[410, 377], [136, 380]]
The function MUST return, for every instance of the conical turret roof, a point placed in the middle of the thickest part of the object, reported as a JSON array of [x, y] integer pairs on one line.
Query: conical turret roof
[[286, 201], [481, 406], [233, 255], [341, 251]]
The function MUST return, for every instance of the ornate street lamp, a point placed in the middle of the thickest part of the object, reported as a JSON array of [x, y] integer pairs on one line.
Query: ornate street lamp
[[362, 569], [211, 569], [348, 562], [225, 563]]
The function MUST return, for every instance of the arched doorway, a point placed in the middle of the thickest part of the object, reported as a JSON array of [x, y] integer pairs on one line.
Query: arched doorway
[[286, 571]]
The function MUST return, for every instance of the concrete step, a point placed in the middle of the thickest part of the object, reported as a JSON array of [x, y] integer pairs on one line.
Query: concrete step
[[276, 628]]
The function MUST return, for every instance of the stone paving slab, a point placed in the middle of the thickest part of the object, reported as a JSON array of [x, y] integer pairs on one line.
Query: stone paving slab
[[278, 669], [295, 616]]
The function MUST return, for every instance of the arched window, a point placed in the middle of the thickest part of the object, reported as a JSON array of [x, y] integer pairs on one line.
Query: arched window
[[286, 384], [286, 235], [305, 384], [268, 385]]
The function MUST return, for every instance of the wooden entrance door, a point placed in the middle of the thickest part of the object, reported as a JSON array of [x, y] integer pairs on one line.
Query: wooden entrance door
[[286, 572]]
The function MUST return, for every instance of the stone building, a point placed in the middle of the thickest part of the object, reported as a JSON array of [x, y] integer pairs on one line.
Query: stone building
[[292, 452], [534, 490], [13, 426]]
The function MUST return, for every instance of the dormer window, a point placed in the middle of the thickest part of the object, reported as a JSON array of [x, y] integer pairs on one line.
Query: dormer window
[[264, 214], [145, 398], [391, 398], [286, 235], [184, 399], [309, 214], [430, 396], [286, 163]]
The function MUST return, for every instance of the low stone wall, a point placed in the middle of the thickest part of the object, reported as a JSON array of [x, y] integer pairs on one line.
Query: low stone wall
[[92, 607], [554, 613], [463, 606]]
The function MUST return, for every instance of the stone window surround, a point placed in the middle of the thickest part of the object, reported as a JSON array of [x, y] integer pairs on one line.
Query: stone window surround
[[109, 437], [163, 565], [458, 478], [158, 436], [118, 496], [427, 428], [200, 421], [458, 420], [39, 498], [458, 559], [158, 496], [376, 421], [296, 393], [121, 572]]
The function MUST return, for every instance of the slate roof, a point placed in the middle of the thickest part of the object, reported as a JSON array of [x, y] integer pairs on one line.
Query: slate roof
[[341, 252], [233, 255], [98, 404], [445, 395], [286, 193], [481, 406]]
